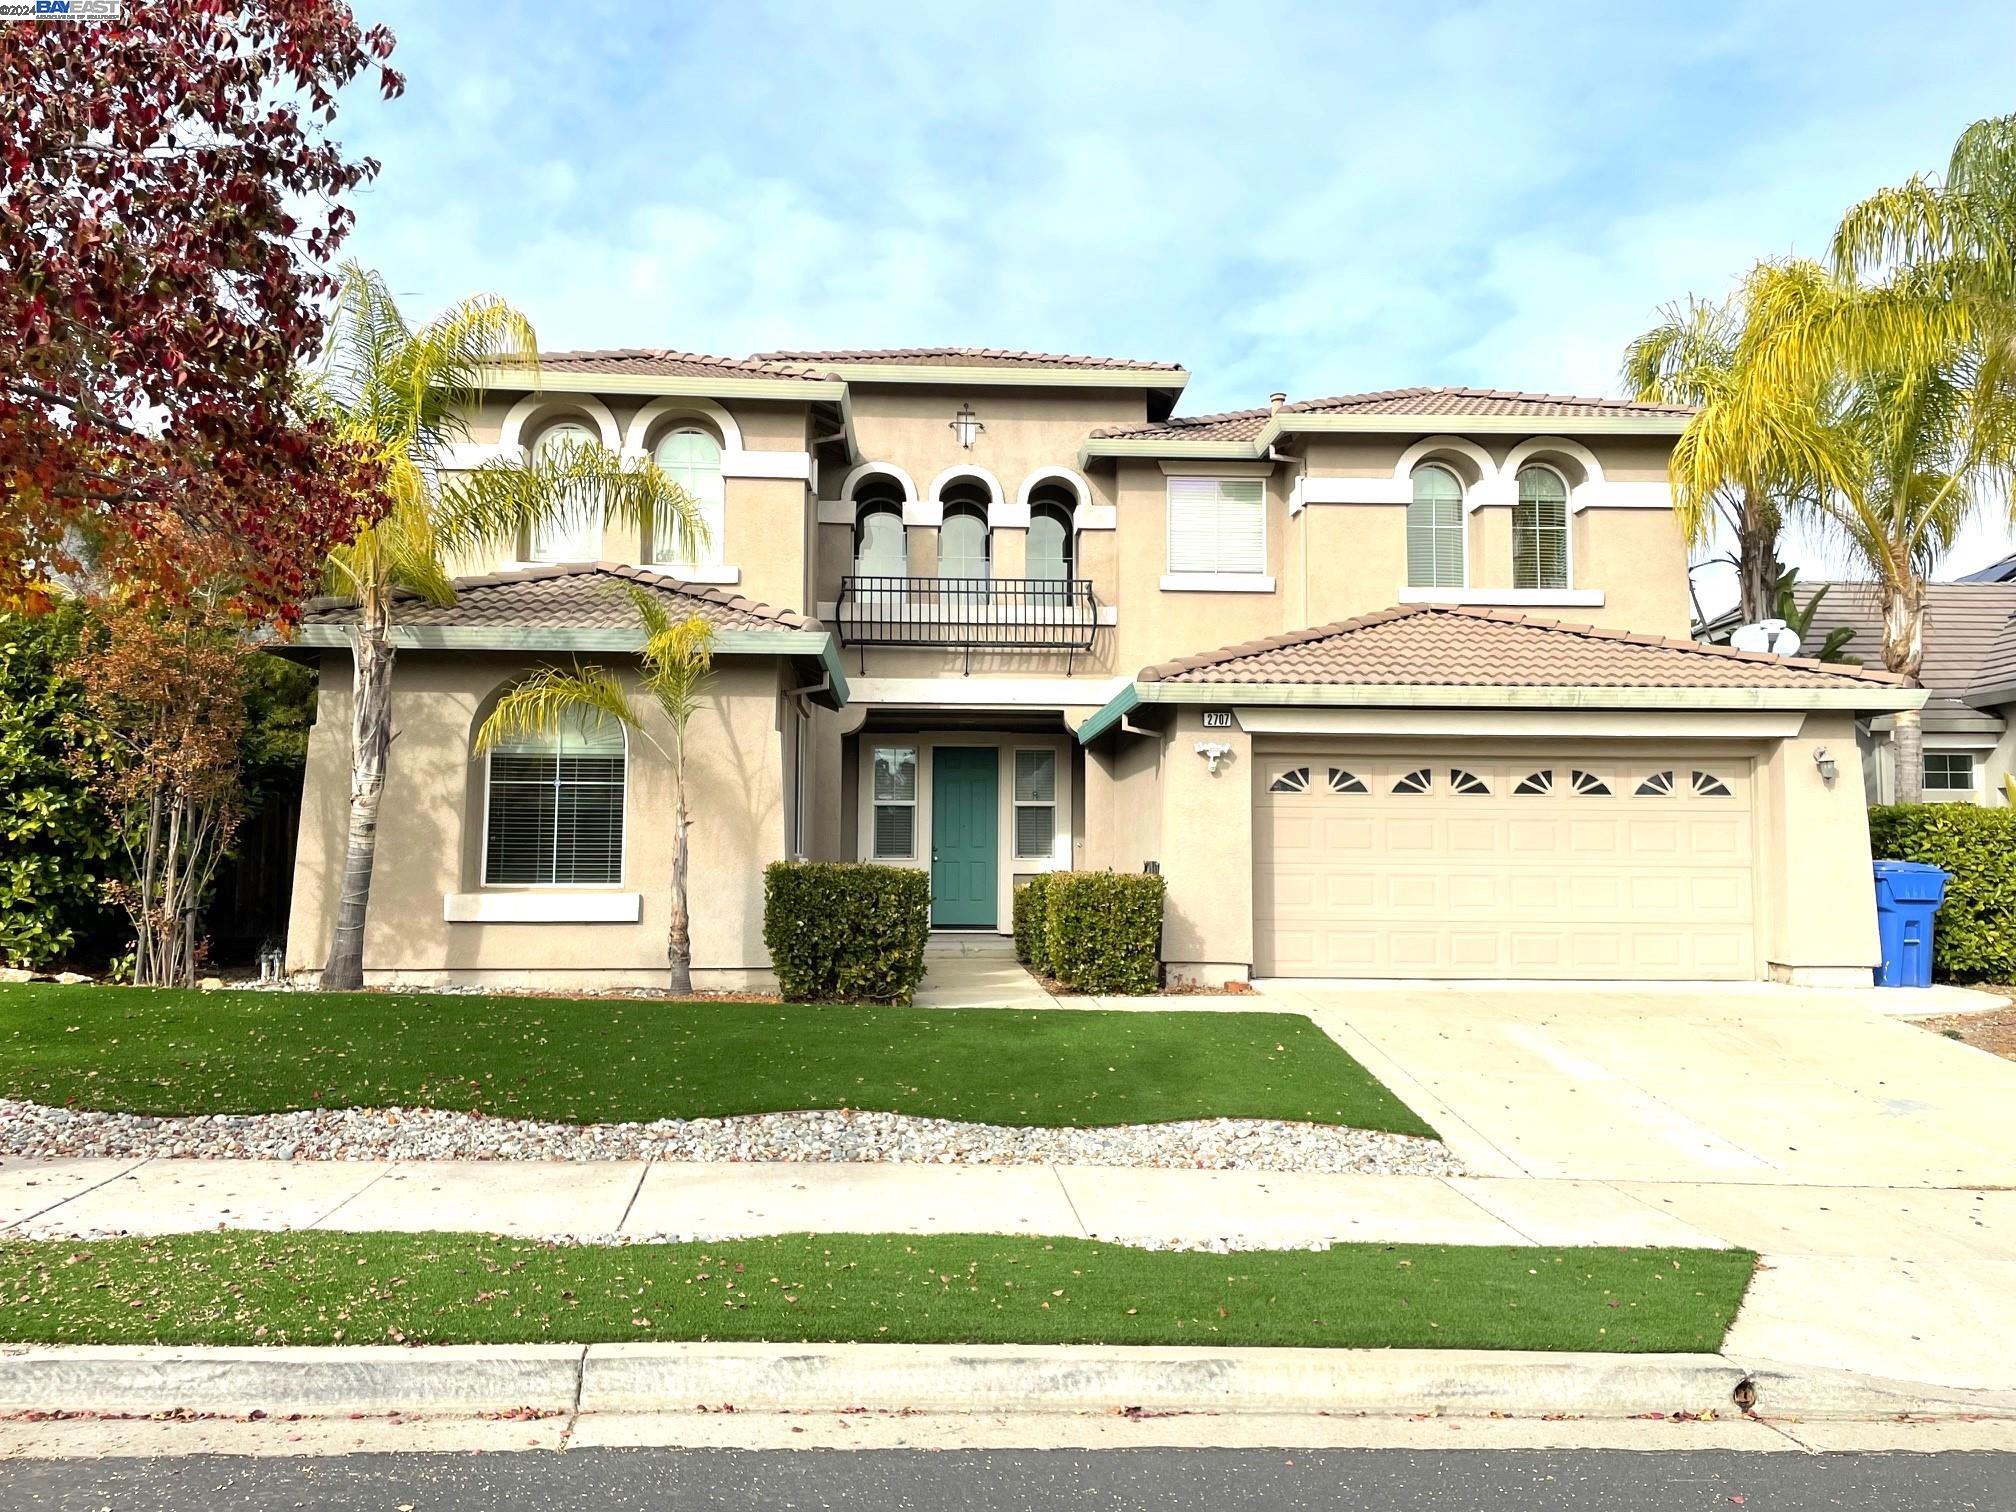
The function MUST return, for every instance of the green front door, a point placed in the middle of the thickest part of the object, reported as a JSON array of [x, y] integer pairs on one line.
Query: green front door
[[963, 838]]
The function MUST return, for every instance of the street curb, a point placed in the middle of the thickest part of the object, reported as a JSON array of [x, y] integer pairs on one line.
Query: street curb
[[449, 1380], [444, 1379]]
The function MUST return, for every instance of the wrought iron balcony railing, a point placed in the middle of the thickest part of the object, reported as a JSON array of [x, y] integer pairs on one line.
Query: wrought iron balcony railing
[[968, 614]]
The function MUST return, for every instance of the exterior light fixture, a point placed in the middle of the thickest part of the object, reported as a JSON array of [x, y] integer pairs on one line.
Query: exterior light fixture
[[966, 426], [1829, 769], [1215, 754]]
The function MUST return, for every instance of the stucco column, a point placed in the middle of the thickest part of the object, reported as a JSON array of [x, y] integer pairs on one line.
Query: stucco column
[[1819, 903], [1207, 854], [1008, 552]]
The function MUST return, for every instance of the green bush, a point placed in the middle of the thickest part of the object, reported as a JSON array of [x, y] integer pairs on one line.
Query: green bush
[[844, 932], [1103, 930], [55, 852], [1032, 922], [1974, 937]]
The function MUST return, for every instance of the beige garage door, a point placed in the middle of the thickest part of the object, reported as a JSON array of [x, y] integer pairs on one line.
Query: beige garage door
[[1427, 864]]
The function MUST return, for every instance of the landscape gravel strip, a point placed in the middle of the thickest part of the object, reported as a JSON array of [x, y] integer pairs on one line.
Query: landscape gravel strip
[[32, 1131]]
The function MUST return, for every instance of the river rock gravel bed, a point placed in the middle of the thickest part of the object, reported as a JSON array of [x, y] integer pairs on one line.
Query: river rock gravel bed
[[32, 1131]]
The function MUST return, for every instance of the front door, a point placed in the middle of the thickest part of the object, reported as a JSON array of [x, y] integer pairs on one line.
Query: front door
[[963, 839]]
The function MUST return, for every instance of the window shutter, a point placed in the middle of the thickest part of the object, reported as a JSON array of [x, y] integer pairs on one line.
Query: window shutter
[[1217, 525]]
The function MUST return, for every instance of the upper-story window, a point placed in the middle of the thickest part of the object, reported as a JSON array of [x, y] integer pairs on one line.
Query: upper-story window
[[1435, 529], [574, 532], [963, 546], [881, 544], [691, 458], [1218, 526], [1540, 530], [1052, 541]]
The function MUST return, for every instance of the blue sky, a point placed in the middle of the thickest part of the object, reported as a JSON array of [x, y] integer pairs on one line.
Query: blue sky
[[1318, 198]]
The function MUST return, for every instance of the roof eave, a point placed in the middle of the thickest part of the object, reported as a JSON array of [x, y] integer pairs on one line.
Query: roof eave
[[809, 645], [754, 386], [1173, 379], [1625, 424], [1122, 446], [1464, 695]]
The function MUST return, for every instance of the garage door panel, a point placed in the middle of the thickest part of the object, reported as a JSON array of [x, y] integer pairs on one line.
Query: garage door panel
[[1634, 868]]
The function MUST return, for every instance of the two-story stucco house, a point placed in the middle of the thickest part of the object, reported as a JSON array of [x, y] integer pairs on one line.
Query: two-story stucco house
[[1385, 685]]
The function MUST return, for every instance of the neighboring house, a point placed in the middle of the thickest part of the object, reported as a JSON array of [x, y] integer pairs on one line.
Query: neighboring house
[[969, 607], [1969, 671]]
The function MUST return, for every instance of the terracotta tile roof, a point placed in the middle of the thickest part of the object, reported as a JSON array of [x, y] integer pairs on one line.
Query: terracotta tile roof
[[588, 596], [967, 357], [655, 362], [1964, 624], [1435, 646], [1243, 425]]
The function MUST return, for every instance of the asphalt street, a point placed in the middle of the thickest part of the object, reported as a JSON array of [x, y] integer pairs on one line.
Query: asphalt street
[[1151, 1480]]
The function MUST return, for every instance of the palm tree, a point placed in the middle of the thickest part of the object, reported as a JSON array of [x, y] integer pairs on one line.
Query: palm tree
[[677, 660], [1695, 356], [406, 393], [1912, 428]]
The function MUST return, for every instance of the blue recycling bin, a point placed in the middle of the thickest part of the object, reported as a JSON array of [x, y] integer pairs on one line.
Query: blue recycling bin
[[1908, 894]]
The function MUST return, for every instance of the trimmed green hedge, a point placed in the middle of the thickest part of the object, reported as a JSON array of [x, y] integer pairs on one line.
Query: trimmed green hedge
[[846, 932], [1974, 937], [1032, 923], [1102, 931]]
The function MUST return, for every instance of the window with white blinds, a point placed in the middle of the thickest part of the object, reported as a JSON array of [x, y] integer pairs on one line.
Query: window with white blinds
[[1217, 525], [1035, 804], [895, 778], [691, 458], [1435, 530], [1540, 530], [553, 814]]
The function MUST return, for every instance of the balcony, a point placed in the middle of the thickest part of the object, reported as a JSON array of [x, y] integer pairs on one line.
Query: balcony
[[968, 614]]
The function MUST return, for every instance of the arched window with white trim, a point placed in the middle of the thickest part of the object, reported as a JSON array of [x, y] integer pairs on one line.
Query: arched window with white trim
[[691, 458], [1435, 555], [553, 807], [881, 544], [1540, 530], [1052, 540], [574, 532]]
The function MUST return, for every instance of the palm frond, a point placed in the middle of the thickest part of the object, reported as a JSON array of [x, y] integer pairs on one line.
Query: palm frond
[[546, 701]]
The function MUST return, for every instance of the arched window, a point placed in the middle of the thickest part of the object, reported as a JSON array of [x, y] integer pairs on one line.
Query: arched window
[[1435, 530], [691, 458], [1052, 541], [574, 533], [553, 807], [1540, 530], [962, 535], [881, 546]]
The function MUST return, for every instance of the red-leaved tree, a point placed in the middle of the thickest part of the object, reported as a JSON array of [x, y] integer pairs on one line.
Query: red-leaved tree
[[170, 203]]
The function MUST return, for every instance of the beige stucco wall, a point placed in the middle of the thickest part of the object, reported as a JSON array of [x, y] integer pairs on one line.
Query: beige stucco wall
[[1817, 900], [429, 839], [1206, 845]]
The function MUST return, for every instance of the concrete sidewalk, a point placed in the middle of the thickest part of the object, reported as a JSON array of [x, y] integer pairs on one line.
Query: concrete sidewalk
[[1907, 1283]]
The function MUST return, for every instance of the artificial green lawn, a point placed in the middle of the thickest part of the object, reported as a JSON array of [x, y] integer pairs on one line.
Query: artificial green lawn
[[622, 1060], [335, 1288]]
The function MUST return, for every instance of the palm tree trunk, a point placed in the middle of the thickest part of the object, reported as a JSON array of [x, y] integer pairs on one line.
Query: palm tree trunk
[[370, 740], [1757, 565], [678, 940], [1904, 652]]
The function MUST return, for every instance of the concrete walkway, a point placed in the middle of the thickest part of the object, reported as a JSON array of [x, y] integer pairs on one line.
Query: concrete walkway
[[977, 971], [1912, 1284]]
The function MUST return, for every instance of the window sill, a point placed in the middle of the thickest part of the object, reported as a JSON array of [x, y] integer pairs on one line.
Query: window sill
[[1506, 598], [559, 906], [688, 572], [1217, 582]]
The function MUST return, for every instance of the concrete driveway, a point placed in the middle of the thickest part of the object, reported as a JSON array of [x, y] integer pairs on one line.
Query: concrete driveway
[[1737, 1083]]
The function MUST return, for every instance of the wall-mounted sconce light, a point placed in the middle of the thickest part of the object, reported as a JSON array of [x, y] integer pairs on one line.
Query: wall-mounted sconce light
[[1215, 755], [966, 426], [1829, 769]]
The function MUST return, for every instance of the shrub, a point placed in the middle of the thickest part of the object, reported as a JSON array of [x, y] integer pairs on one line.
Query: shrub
[[55, 853], [845, 932], [1103, 930], [1032, 916], [1975, 935]]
